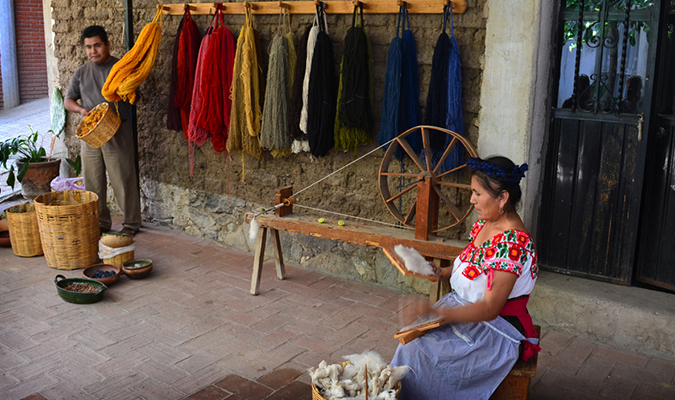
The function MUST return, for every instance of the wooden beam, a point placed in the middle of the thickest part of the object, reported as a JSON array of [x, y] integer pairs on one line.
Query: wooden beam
[[362, 234], [308, 7]]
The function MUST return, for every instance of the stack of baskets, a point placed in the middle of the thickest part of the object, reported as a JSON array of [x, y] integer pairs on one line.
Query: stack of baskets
[[25, 234], [105, 122], [68, 222], [115, 248]]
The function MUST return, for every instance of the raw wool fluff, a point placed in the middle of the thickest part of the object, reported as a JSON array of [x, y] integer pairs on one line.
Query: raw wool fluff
[[253, 230], [346, 381], [414, 261]]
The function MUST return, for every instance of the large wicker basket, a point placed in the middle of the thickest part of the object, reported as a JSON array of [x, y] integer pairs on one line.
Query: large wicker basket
[[69, 228], [24, 231], [104, 129]]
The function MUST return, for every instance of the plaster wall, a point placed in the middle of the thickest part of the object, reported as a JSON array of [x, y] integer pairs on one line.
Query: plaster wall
[[509, 81]]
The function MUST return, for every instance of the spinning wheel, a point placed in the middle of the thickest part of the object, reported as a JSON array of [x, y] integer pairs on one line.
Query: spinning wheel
[[418, 195]]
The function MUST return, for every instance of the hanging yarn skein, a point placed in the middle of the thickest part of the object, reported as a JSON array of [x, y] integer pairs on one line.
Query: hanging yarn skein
[[354, 118], [409, 107], [246, 95], [173, 120], [444, 99], [437, 96], [188, 51], [135, 66], [322, 94], [196, 135], [455, 118], [274, 130], [214, 86], [400, 105], [296, 99], [311, 46]]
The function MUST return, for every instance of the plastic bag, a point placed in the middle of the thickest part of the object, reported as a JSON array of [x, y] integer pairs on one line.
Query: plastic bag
[[110, 252], [58, 184]]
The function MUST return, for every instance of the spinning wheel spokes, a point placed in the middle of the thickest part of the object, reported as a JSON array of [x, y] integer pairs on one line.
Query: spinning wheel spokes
[[431, 200]]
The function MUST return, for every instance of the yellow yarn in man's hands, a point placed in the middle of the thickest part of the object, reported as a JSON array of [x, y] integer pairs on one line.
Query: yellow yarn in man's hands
[[132, 70]]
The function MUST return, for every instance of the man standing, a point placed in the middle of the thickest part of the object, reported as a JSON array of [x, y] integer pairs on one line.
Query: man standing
[[117, 156]]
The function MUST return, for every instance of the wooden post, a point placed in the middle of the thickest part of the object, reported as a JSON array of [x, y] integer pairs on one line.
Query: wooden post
[[258, 261], [427, 208], [278, 257], [281, 195]]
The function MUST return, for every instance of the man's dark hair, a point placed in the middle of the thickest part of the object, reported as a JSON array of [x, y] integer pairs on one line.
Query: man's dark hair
[[93, 31]]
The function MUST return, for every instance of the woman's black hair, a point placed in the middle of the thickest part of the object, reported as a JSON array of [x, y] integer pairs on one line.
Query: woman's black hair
[[497, 174], [93, 31]]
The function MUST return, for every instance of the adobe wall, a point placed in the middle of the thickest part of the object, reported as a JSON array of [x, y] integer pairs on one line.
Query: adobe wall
[[213, 203]]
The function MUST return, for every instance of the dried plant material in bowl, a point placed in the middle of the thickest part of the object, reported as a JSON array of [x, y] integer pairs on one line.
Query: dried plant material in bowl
[[79, 290], [104, 273], [137, 268]]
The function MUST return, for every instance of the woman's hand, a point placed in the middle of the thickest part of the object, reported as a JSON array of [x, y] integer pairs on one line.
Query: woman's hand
[[411, 308], [442, 273]]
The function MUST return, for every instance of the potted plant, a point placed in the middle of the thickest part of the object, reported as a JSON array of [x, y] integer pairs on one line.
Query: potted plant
[[33, 169]]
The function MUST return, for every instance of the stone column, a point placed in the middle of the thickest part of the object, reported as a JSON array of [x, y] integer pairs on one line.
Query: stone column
[[515, 83], [8, 57]]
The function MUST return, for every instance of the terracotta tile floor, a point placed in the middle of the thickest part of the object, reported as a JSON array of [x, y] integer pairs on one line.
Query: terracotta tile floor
[[191, 330]]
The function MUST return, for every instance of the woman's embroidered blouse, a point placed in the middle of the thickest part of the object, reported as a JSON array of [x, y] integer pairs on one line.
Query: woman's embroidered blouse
[[512, 251]]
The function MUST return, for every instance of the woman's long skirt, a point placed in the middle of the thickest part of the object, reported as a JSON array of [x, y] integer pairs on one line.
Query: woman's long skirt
[[458, 361]]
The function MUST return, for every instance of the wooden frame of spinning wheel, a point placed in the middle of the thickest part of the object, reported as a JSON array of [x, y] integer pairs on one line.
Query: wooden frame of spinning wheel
[[422, 239]]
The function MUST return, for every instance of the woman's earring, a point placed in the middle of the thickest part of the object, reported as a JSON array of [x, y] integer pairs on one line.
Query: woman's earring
[[501, 210]]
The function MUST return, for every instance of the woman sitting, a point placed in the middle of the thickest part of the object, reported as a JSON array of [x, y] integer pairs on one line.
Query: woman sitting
[[485, 318]]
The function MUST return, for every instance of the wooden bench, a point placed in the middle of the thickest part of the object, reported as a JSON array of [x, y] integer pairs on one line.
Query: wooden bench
[[516, 385]]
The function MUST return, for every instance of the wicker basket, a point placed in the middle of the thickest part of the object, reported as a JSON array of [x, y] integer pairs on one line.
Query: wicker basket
[[118, 260], [317, 396], [68, 222], [24, 231], [104, 130]]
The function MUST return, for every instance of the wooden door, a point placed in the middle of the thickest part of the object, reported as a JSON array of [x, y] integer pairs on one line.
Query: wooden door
[[656, 253], [598, 137]]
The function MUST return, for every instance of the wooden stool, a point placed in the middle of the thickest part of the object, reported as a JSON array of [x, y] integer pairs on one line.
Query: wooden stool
[[516, 385]]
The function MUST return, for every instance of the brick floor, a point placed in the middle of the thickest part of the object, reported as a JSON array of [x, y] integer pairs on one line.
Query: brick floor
[[191, 330]]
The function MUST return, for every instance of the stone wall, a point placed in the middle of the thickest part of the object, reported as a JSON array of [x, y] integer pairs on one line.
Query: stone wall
[[213, 202]]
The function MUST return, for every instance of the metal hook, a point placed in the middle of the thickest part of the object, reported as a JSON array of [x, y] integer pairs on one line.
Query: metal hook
[[250, 6], [285, 6]]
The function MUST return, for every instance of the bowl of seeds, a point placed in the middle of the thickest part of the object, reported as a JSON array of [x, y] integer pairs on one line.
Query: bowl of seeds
[[79, 290]]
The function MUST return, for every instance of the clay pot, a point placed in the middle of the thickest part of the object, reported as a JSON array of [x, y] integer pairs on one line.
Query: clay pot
[[39, 176]]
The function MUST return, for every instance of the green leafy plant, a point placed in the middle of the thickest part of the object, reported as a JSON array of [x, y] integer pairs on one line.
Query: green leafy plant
[[75, 165], [27, 149]]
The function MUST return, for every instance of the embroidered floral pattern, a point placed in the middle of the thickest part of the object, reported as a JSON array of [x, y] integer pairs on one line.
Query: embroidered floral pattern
[[508, 251]]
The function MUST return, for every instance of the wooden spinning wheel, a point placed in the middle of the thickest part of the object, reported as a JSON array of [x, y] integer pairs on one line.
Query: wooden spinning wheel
[[421, 196]]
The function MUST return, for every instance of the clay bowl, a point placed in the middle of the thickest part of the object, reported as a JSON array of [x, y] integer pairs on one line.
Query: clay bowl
[[4, 239], [91, 271], [137, 268], [75, 297]]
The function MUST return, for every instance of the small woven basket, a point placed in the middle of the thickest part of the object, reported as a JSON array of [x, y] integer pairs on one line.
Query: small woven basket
[[24, 231], [119, 259], [104, 129], [69, 230]]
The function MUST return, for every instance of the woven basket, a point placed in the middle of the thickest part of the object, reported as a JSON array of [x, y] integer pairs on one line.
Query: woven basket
[[24, 231], [69, 230], [317, 396], [104, 130], [119, 259]]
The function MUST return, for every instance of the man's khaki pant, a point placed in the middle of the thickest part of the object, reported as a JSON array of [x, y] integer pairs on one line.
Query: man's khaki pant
[[117, 158]]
